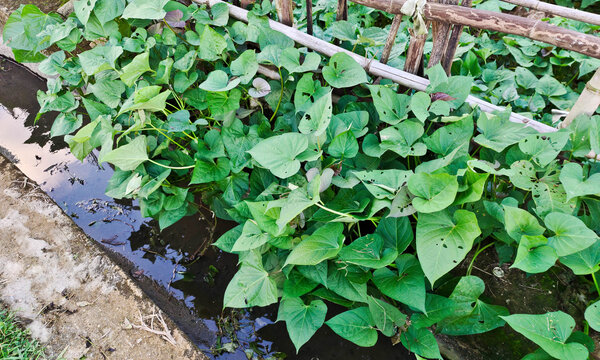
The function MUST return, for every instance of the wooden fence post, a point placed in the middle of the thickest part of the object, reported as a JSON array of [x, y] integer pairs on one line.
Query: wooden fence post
[[342, 10], [414, 54], [285, 11]]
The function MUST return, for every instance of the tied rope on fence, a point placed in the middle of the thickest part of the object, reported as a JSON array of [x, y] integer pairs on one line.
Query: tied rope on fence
[[415, 9]]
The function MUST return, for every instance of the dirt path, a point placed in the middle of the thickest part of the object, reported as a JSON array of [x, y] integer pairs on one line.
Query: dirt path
[[74, 299]]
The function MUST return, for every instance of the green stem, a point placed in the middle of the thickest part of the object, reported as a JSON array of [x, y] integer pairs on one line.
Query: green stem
[[280, 97], [172, 167], [479, 251], [167, 136], [176, 33], [573, 78], [596, 283], [334, 212], [526, 195]]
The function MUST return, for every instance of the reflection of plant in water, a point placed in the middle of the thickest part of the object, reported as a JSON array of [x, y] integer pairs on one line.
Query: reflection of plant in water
[[236, 332], [227, 325]]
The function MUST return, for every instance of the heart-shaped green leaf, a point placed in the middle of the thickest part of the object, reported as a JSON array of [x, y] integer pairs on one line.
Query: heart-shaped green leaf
[[279, 153], [443, 240], [434, 192], [550, 331], [343, 71], [302, 321]]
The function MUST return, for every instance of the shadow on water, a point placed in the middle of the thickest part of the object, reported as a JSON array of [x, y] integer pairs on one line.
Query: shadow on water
[[167, 257]]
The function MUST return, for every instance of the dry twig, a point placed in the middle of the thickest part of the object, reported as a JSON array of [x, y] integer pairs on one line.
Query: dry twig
[[165, 333]]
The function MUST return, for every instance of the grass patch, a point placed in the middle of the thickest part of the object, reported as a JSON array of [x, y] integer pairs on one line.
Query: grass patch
[[15, 342]]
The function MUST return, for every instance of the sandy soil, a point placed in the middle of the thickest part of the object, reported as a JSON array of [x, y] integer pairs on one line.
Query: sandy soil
[[72, 297]]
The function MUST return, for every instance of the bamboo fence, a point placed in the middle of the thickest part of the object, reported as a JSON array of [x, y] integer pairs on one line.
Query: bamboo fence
[[448, 20], [374, 67]]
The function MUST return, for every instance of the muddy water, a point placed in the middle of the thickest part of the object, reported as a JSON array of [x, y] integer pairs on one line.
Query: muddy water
[[167, 257]]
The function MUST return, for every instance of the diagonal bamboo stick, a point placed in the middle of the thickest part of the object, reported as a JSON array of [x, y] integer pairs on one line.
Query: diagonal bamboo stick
[[588, 102], [453, 42], [374, 67], [505, 23], [557, 10], [441, 33], [391, 39]]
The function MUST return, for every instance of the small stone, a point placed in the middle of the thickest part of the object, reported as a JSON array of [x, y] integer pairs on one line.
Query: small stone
[[498, 272]]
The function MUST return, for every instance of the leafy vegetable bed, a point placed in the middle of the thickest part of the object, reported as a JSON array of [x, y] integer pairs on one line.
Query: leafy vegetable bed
[[345, 192]]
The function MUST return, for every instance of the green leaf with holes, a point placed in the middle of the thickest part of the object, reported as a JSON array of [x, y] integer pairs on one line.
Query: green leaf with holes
[[391, 107], [443, 240], [343, 71], [592, 315], [543, 148], [550, 331], [471, 315], [317, 116]]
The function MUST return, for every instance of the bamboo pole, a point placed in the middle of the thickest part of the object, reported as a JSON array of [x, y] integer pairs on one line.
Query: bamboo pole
[[374, 67], [453, 42], [391, 39], [285, 11], [506, 23], [557, 10], [309, 17], [587, 103]]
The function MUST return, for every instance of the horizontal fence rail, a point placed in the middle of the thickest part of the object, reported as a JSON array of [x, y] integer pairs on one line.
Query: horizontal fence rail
[[557, 10]]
